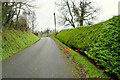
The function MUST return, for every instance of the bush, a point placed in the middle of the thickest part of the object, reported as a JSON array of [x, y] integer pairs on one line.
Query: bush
[[100, 42]]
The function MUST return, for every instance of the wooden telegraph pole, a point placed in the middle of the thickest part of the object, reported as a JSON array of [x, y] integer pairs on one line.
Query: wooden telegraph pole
[[55, 22]]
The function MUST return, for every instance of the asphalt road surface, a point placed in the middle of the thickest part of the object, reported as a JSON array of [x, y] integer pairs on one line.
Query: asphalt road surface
[[41, 60]]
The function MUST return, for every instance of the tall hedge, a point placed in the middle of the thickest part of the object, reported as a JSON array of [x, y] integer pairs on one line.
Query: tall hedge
[[100, 42]]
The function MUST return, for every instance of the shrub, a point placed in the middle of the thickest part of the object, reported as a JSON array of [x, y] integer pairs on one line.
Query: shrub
[[100, 42]]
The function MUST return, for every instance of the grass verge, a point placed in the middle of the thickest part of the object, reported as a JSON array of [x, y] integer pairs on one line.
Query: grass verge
[[85, 68], [14, 41], [0, 53]]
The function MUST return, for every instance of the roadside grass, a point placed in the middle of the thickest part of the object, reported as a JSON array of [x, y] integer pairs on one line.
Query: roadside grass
[[15, 40], [84, 67], [0, 44]]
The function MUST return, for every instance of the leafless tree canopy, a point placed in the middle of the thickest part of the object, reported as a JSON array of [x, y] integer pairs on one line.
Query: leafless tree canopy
[[76, 12], [12, 11]]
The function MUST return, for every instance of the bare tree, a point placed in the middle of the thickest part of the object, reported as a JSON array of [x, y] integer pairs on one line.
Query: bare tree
[[47, 31], [76, 12], [23, 23], [11, 12]]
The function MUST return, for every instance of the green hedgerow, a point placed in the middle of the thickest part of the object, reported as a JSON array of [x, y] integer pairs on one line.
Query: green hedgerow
[[100, 42]]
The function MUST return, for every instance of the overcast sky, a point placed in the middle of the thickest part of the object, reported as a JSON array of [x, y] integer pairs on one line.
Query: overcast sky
[[46, 8]]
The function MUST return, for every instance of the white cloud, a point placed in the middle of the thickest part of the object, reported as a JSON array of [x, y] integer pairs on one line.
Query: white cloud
[[44, 13], [109, 9]]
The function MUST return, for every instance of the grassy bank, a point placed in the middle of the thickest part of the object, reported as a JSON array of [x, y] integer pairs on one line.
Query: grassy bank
[[15, 40], [0, 44], [84, 67], [100, 42]]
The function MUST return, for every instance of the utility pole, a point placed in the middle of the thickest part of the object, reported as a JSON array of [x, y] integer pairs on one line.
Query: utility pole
[[55, 22]]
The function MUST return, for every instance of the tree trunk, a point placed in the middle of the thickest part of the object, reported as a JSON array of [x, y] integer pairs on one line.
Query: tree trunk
[[72, 22]]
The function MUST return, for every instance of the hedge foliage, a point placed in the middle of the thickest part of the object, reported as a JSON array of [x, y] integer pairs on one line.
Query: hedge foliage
[[100, 42]]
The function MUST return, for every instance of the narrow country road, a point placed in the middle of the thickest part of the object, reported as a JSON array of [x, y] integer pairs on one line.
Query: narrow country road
[[41, 60]]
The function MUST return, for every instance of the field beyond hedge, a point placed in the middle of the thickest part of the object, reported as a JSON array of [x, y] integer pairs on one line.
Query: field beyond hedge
[[15, 40], [100, 42]]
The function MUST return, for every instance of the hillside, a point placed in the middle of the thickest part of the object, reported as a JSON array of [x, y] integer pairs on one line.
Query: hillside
[[15, 40], [100, 42]]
